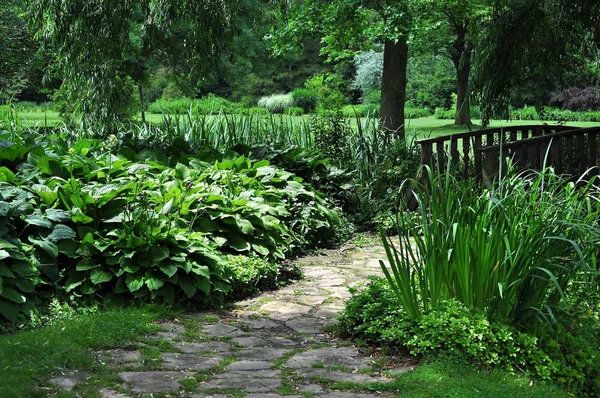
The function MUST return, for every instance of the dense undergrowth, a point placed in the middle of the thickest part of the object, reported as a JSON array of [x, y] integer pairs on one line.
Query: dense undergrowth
[[506, 277]]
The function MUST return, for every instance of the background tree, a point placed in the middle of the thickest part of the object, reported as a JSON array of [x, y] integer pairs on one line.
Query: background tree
[[531, 40], [349, 26], [18, 50], [106, 48]]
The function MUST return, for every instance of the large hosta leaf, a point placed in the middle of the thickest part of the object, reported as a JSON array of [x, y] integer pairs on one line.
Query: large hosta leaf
[[61, 232], [99, 276], [9, 310], [12, 295], [134, 282]]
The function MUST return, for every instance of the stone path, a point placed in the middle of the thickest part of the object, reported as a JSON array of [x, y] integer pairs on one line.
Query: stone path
[[274, 345]]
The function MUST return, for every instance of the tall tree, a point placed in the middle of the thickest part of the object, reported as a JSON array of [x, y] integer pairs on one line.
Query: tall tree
[[531, 40], [348, 26], [105, 48], [18, 50]]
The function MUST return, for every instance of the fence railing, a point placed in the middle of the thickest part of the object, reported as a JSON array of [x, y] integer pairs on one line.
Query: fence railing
[[572, 152], [465, 149]]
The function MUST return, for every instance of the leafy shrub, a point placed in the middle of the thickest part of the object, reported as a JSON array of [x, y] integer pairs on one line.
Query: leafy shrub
[[569, 116], [92, 221], [416, 113], [527, 113], [247, 275], [360, 110], [294, 111], [377, 316], [305, 99], [255, 110], [369, 70], [576, 99], [328, 88], [276, 103], [444, 114], [372, 96], [211, 104]]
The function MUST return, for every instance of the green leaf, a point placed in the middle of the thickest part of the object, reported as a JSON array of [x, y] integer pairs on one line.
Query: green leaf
[[9, 310], [187, 284], [6, 175], [159, 253], [12, 295], [201, 270], [154, 283], [24, 268], [169, 270], [86, 264], [260, 249], [50, 248], [4, 254], [5, 271], [61, 232], [39, 220], [25, 285], [100, 276], [205, 225], [78, 217], [182, 172], [203, 284], [4, 209], [58, 215], [134, 282], [245, 226], [239, 244]]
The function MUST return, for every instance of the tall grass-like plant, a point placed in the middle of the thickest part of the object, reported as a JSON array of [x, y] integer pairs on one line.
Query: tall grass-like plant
[[522, 251]]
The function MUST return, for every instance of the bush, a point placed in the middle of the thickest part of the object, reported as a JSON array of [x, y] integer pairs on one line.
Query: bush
[[558, 115], [527, 113], [360, 110], [124, 224], [576, 99], [305, 99], [294, 111], [248, 275], [277, 103], [328, 88], [376, 316], [416, 113], [208, 105], [444, 114], [372, 97]]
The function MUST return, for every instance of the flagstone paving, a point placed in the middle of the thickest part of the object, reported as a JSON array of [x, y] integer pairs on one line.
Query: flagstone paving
[[273, 345]]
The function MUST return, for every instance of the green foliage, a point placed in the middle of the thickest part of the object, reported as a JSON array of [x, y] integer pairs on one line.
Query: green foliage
[[247, 275], [445, 114], [305, 99], [294, 111], [353, 111], [87, 220], [208, 105], [369, 70], [416, 113], [376, 315], [507, 252], [329, 91], [277, 103], [431, 80]]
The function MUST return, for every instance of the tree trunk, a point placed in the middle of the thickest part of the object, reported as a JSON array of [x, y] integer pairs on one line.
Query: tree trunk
[[393, 86], [463, 106], [460, 54], [141, 93]]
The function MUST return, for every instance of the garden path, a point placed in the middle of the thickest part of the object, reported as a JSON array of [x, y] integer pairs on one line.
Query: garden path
[[273, 345]]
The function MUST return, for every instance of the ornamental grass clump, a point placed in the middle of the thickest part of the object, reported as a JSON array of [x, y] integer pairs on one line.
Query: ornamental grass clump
[[523, 252]]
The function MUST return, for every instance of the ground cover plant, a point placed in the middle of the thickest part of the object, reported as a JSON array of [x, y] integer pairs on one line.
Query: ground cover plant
[[505, 277], [88, 217]]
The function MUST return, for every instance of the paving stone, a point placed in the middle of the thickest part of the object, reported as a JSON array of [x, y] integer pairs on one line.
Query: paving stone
[[248, 365], [282, 310], [108, 393], [262, 373], [173, 327], [270, 396], [313, 388], [263, 323], [221, 330], [164, 336], [327, 313], [278, 341], [308, 325], [340, 293], [209, 346], [338, 376], [69, 379], [250, 385], [261, 353], [154, 381], [250, 341], [313, 301], [331, 282], [330, 356], [120, 357], [188, 361], [340, 394]]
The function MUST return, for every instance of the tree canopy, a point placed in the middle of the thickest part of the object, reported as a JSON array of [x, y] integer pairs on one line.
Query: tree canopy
[[105, 48]]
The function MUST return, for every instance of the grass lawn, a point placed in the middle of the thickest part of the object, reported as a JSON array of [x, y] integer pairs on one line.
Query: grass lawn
[[421, 128]]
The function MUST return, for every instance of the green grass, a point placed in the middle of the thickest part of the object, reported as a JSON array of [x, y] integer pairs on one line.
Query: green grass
[[447, 378], [421, 128], [29, 358]]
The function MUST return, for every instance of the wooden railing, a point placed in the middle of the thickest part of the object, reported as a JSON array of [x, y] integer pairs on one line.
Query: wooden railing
[[465, 149], [571, 152]]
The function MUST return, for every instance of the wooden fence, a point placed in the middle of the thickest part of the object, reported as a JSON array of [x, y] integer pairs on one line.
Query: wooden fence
[[572, 152], [466, 149]]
